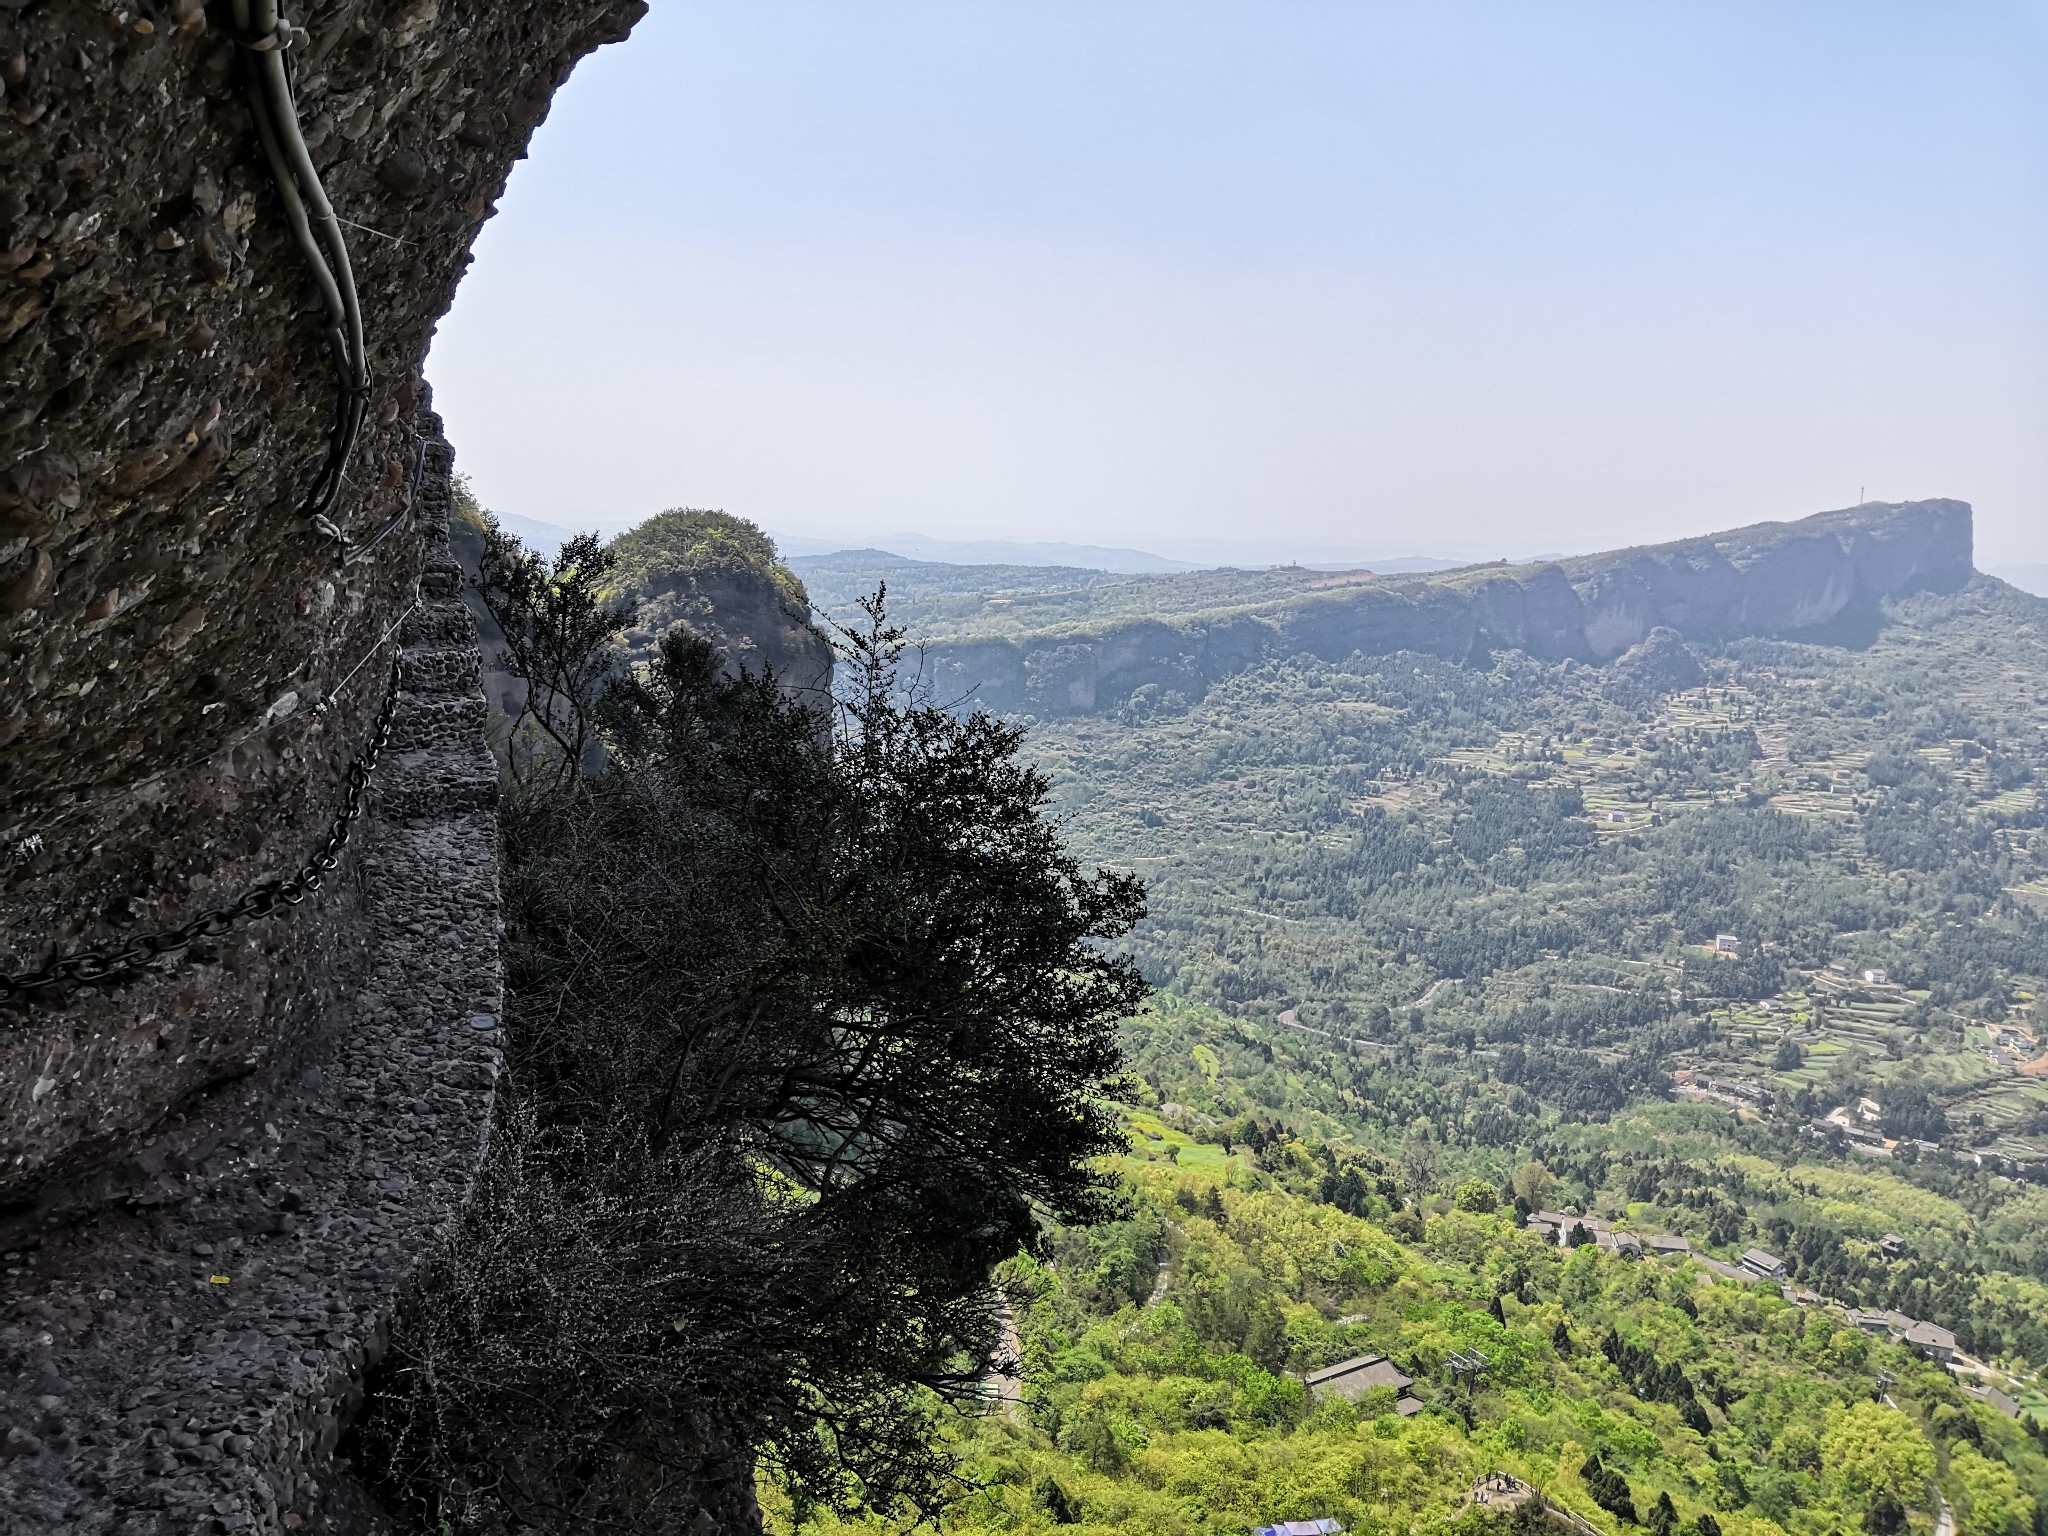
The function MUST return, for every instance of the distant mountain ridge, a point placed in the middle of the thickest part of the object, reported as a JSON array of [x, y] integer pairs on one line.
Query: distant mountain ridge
[[1768, 578], [926, 549]]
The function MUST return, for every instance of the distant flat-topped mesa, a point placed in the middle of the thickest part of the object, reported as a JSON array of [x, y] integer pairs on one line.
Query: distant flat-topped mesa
[[1771, 578]]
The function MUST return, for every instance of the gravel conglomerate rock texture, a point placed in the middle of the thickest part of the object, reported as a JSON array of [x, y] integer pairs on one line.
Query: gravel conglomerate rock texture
[[184, 1332], [188, 665], [170, 620]]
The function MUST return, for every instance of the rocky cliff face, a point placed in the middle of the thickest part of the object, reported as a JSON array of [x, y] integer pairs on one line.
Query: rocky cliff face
[[170, 619], [1772, 578], [720, 576], [742, 599], [195, 644]]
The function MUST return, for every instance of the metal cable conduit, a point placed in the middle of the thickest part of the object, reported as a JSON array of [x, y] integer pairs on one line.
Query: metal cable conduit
[[265, 38]]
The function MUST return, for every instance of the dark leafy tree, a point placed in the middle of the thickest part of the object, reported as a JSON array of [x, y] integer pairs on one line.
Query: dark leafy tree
[[1609, 1489], [557, 633], [1909, 1111], [809, 1025], [1061, 1505]]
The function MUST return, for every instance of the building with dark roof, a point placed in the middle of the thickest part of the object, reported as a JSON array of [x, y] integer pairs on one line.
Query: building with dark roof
[[1765, 1266], [1357, 1376], [1623, 1245], [1932, 1340]]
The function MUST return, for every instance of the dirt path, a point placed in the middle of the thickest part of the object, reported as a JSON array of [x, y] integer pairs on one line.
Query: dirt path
[[1288, 1019], [1009, 1390], [1160, 1284]]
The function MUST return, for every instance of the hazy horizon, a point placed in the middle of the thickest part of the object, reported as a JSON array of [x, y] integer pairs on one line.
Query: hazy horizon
[[1475, 283], [2029, 576]]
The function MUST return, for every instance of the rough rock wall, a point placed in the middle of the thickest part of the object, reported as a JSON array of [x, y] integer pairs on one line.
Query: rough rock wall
[[188, 665], [169, 620], [756, 625], [184, 1331], [1773, 578]]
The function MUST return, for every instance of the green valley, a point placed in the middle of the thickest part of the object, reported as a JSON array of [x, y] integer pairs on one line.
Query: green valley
[[1732, 939]]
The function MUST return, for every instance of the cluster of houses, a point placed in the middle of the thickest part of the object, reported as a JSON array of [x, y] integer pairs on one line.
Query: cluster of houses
[[1866, 1142], [1569, 1231], [1359, 1375], [1756, 1265], [1931, 1339], [1858, 1127], [1838, 975], [2018, 1044], [1736, 1092]]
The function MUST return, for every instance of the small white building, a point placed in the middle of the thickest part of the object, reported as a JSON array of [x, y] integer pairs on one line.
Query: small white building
[[1875, 976], [1727, 944], [1765, 1266], [1623, 1245], [1933, 1341]]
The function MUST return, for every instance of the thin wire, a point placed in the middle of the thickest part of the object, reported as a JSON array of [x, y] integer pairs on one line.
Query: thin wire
[[325, 706], [328, 703], [362, 550], [394, 239]]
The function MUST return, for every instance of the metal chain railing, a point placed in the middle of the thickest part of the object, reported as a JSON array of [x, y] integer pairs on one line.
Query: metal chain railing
[[114, 961], [264, 37]]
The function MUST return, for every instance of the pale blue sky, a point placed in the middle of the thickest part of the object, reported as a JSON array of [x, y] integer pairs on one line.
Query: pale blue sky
[[1324, 279]]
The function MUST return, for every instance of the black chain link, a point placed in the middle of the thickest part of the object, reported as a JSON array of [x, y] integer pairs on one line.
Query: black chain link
[[259, 901]]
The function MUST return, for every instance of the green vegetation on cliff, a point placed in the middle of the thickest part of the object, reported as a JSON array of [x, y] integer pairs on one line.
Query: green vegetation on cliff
[[693, 544], [718, 577], [808, 1023]]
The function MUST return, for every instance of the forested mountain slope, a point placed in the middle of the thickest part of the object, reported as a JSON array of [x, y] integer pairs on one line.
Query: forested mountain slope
[[1163, 1364], [1085, 649], [1739, 939]]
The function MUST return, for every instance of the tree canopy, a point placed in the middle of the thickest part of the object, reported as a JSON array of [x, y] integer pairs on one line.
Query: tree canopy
[[809, 1025]]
